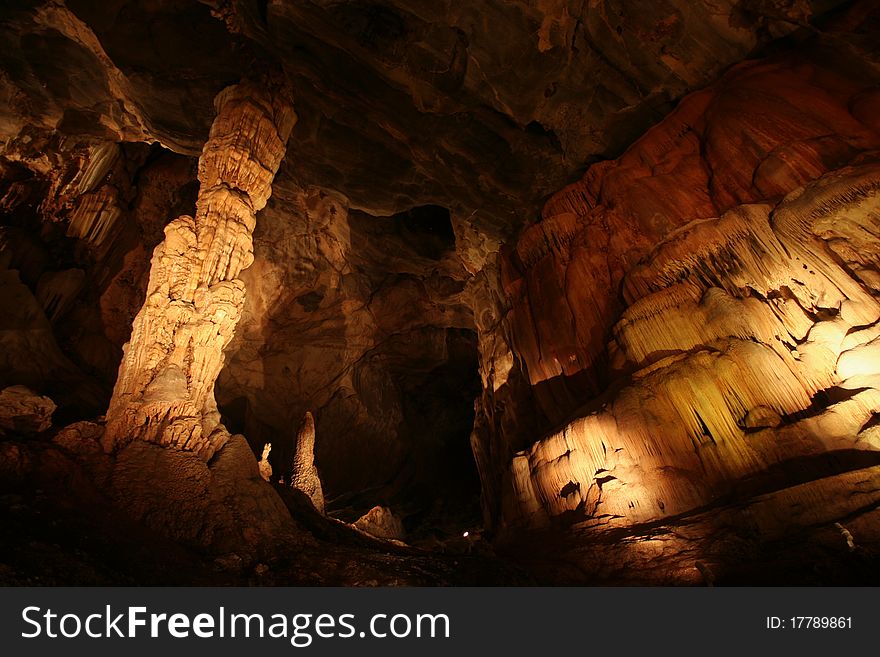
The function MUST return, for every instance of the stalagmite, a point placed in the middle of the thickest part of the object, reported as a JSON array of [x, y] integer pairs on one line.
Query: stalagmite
[[95, 216], [165, 389], [847, 536], [265, 466], [305, 475]]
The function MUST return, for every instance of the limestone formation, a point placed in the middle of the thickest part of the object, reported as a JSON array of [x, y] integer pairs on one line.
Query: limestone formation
[[731, 324], [706, 160], [608, 274], [23, 412], [165, 389], [80, 438], [381, 522], [265, 466], [304, 475]]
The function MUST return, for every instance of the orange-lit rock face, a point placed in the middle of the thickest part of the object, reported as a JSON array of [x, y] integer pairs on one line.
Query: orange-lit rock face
[[761, 132], [165, 389], [740, 333]]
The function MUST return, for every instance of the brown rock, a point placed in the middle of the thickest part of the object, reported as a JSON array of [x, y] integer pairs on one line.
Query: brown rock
[[225, 506], [15, 465], [23, 412], [381, 522], [80, 438], [304, 475]]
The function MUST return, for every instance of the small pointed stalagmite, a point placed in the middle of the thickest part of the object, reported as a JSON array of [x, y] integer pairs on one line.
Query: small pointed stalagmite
[[265, 466]]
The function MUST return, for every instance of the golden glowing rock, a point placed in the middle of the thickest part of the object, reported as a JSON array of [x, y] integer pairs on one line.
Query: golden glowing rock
[[265, 466], [745, 333], [165, 389]]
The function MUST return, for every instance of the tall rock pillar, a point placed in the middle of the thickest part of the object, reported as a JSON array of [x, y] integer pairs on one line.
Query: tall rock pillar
[[165, 389], [305, 475]]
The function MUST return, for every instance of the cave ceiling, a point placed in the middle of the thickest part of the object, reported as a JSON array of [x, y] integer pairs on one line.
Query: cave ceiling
[[482, 107]]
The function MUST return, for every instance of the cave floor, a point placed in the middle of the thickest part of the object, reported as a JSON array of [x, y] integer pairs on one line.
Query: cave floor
[[47, 542], [58, 529], [709, 547]]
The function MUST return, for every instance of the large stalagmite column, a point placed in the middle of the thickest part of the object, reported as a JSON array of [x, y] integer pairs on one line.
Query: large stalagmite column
[[165, 389]]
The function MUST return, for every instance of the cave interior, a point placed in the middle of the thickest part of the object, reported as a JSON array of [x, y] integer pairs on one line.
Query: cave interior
[[403, 292]]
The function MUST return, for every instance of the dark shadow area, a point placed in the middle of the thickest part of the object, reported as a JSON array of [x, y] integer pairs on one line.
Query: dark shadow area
[[384, 356]]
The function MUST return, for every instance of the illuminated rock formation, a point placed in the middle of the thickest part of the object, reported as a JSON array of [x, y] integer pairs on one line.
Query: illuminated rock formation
[[736, 318], [651, 374], [165, 389], [715, 151], [381, 522], [304, 475], [264, 465]]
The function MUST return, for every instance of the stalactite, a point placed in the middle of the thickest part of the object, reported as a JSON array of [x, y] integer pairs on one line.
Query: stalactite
[[94, 217], [57, 291], [737, 250], [165, 389], [842, 205]]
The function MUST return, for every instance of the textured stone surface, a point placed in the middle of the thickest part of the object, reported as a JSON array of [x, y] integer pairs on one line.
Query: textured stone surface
[[742, 338], [692, 323], [223, 506], [361, 321], [304, 475], [786, 537], [264, 466], [431, 91], [381, 522], [80, 438], [715, 151], [165, 389], [24, 412], [29, 351]]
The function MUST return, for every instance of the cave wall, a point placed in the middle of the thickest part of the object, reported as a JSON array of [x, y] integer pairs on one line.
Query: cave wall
[[702, 310], [406, 84], [360, 320], [80, 220]]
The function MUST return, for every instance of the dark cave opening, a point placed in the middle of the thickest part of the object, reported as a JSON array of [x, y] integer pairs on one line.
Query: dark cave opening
[[385, 358], [427, 229], [432, 484]]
